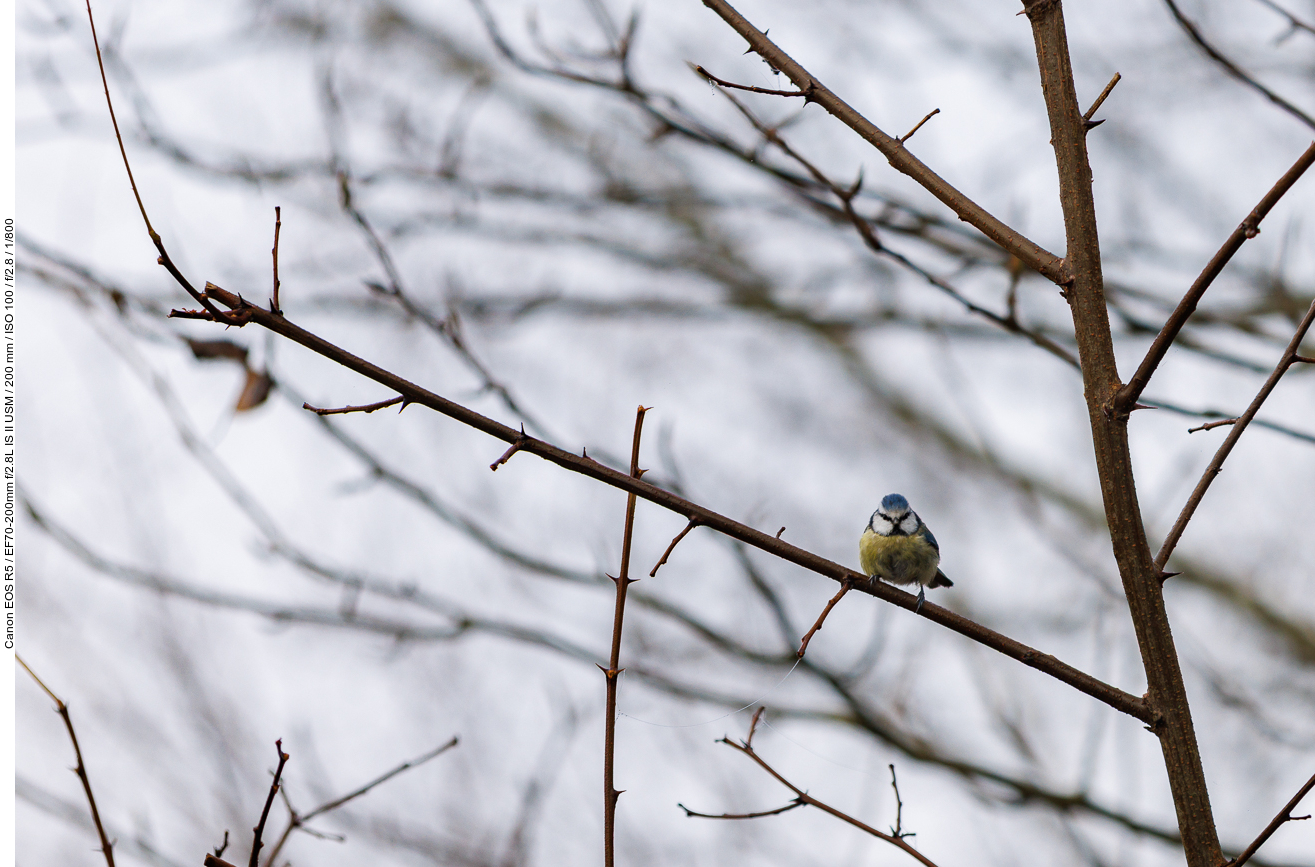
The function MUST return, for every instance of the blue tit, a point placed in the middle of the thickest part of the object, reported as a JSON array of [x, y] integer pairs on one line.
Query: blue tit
[[897, 547]]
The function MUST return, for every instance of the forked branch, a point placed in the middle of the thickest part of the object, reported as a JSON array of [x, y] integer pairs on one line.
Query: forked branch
[[1034, 256], [802, 798]]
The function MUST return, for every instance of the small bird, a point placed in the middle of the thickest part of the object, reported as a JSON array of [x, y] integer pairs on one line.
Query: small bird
[[897, 547]]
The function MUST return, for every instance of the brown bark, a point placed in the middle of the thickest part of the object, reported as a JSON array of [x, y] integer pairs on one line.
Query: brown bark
[[1141, 579]]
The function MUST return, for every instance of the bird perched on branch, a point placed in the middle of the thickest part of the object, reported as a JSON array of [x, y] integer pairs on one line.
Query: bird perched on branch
[[897, 547]]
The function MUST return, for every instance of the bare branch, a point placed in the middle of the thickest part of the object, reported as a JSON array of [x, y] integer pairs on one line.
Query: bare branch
[[821, 618], [802, 797], [908, 135], [1100, 100], [269, 800], [1247, 229], [708, 76], [676, 541], [623, 581], [1194, 33], [296, 820], [588, 467], [1239, 427], [1284, 816], [367, 408], [106, 847], [1036, 258], [278, 224]]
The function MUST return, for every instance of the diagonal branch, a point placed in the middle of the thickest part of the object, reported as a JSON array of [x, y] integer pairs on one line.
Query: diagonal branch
[[1044, 262], [1194, 33], [586, 466], [1126, 399], [1284, 816], [1290, 357]]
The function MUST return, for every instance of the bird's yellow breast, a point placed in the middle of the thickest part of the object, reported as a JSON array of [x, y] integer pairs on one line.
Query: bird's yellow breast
[[898, 559]]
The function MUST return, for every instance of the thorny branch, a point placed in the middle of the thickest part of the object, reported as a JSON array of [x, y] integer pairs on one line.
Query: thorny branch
[[588, 467], [613, 670], [106, 846]]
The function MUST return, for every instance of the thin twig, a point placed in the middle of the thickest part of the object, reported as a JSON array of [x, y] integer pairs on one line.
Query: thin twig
[[1083, 682], [676, 541], [155, 236], [846, 196], [1156, 403], [1239, 427], [269, 800], [1294, 23], [708, 76], [1194, 33], [1284, 816], [908, 135], [296, 820], [898, 830], [1247, 229], [106, 847], [1100, 100], [278, 224], [694, 814], [515, 447], [1211, 425], [613, 670], [367, 408], [821, 618]]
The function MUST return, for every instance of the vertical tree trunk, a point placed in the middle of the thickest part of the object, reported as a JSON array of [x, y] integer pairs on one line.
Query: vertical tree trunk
[[1141, 578]]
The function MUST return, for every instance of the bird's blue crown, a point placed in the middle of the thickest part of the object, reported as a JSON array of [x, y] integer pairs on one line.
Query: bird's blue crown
[[894, 504]]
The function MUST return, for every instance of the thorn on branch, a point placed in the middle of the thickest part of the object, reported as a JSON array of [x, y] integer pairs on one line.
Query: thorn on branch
[[515, 447], [908, 135]]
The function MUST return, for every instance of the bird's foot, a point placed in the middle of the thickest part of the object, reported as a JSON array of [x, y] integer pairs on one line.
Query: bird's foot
[[922, 597]]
